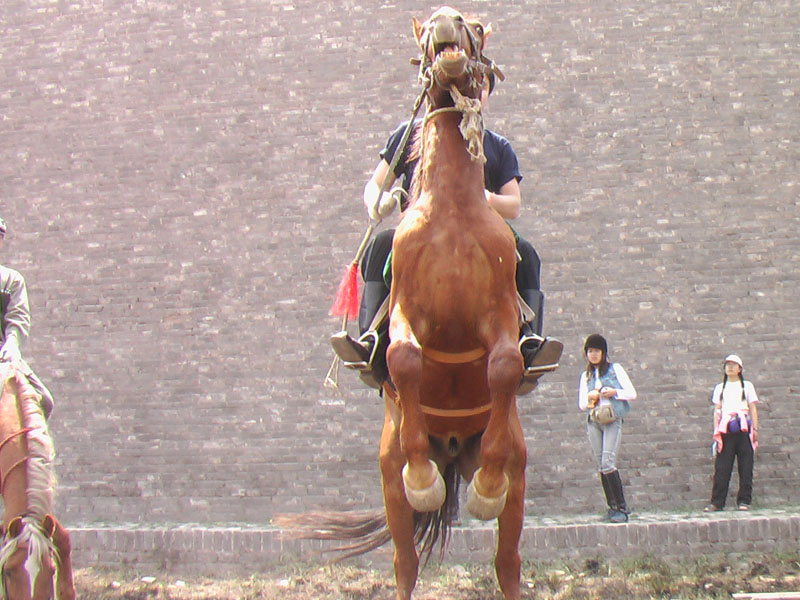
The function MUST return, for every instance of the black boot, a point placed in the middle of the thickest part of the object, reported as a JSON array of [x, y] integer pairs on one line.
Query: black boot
[[540, 354], [611, 499], [361, 354], [621, 516]]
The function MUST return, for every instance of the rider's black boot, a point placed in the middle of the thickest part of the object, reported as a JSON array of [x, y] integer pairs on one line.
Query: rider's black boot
[[540, 354]]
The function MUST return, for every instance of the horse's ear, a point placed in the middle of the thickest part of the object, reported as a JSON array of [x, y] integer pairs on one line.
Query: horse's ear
[[49, 526], [487, 29], [60, 537], [418, 28], [15, 527]]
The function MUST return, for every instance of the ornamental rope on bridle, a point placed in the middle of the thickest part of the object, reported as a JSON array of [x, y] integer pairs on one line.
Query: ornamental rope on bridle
[[471, 126]]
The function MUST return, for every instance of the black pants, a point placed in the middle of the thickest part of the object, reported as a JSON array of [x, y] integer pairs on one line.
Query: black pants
[[372, 264], [734, 446]]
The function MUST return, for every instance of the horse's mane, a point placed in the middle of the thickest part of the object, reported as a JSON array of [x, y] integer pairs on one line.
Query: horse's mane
[[415, 149], [41, 479], [41, 453], [41, 475]]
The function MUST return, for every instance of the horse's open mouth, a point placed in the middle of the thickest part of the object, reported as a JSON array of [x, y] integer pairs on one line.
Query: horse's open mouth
[[451, 59]]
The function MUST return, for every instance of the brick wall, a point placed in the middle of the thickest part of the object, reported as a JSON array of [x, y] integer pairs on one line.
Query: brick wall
[[182, 183]]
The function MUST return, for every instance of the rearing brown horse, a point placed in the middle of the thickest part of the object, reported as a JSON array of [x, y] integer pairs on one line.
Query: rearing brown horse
[[454, 321], [454, 325]]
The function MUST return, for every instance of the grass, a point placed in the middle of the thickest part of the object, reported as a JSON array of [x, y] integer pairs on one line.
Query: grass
[[645, 577]]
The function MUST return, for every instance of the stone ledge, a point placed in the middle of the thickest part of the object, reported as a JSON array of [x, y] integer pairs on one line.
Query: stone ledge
[[241, 549]]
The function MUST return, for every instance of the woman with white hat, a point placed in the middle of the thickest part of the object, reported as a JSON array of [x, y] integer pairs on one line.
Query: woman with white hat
[[735, 434]]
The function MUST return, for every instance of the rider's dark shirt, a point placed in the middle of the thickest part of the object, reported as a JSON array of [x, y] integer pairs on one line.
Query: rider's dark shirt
[[501, 162]]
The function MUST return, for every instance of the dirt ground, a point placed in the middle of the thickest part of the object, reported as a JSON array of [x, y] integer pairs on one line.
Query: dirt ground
[[648, 577]]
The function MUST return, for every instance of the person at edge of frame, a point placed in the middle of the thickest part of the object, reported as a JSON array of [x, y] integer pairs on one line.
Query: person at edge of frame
[[15, 324]]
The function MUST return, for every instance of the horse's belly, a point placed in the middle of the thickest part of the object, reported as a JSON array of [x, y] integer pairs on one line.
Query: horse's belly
[[455, 397]]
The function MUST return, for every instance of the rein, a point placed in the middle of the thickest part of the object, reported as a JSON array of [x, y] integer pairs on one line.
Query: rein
[[21, 461], [385, 184], [332, 378]]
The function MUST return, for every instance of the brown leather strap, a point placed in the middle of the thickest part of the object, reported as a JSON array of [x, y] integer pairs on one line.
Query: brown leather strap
[[454, 358], [456, 412]]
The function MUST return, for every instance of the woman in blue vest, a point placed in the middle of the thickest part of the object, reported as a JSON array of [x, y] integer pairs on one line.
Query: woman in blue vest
[[605, 392]]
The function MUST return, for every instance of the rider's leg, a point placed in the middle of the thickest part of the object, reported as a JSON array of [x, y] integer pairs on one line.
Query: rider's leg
[[368, 351], [538, 352]]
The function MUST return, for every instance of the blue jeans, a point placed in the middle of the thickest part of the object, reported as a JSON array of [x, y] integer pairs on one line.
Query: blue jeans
[[605, 440]]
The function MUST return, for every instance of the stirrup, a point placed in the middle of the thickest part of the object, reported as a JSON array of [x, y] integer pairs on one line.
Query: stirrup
[[355, 354], [545, 357]]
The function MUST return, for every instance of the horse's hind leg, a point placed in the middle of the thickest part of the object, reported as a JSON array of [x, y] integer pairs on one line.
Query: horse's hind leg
[[399, 515], [424, 486], [507, 561]]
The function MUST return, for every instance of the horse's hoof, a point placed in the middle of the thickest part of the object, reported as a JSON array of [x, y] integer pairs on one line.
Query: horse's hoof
[[428, 499], [483, 507]]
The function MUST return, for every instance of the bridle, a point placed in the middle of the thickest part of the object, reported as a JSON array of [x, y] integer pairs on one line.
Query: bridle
[[478, 67], [477, 62]]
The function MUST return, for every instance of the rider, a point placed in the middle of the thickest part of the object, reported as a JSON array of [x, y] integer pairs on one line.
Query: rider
[[502, 177], [15, 322]]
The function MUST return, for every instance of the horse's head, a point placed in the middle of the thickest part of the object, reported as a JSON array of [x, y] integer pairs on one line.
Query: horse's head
[[29, 560], [452, 48]]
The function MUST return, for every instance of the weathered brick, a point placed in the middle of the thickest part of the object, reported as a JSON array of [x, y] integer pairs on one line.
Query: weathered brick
[[183, 186]]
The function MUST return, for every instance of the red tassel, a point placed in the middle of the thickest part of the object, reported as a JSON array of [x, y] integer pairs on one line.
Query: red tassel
[[346, 301]]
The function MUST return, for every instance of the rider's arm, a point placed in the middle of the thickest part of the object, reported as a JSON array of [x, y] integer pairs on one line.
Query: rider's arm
[[17, 315], [374, 185], [508, 200]]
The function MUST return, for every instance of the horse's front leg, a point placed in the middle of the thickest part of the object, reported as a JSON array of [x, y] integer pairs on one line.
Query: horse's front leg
[[424, 486], [489, 487]]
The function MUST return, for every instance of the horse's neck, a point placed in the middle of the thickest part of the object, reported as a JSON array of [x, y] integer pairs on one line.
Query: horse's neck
[[13, 473], [446, 166], [26, 458]]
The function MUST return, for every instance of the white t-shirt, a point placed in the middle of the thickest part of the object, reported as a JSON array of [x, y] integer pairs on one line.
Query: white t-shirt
[[731, 400]]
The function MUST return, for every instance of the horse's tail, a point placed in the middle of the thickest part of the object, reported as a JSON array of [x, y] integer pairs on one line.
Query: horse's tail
[[369, 530], [432, 527]]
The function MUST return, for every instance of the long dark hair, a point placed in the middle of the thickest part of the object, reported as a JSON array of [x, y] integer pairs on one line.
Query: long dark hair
[[725, 381]]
